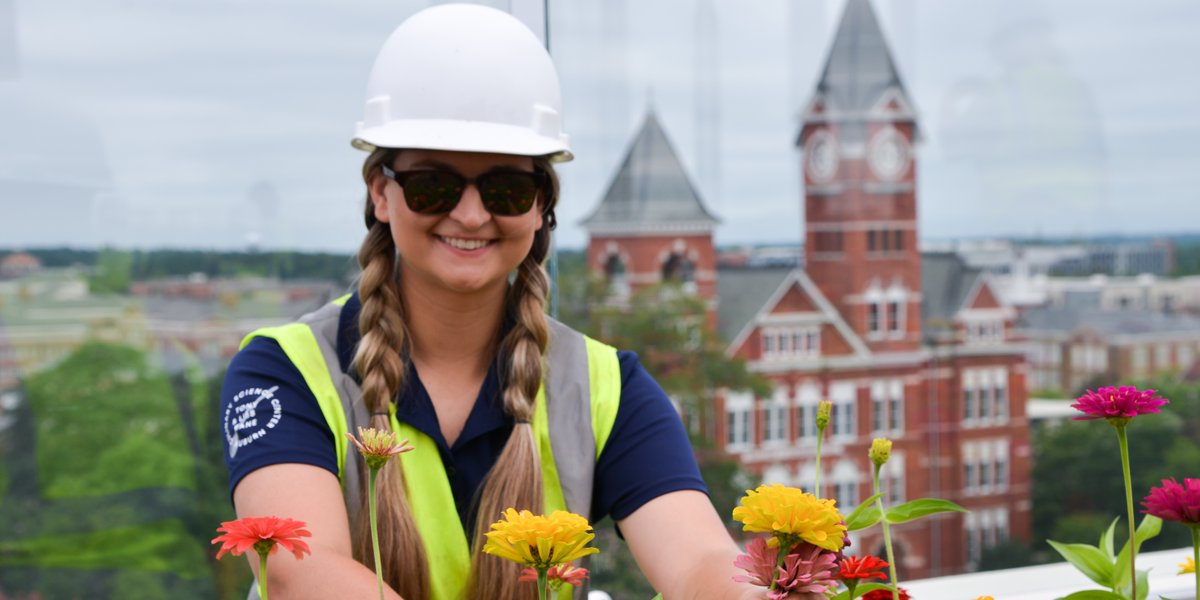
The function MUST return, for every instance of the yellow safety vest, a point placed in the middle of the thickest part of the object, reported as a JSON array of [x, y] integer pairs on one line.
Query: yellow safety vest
[[572, 422]]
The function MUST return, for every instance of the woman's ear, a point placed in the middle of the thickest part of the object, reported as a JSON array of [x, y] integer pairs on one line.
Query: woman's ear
[[377, 189]]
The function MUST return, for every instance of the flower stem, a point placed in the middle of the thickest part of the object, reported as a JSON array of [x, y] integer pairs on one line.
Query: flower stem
[[887, 537], [1196, 555], [817, 487], [262, 575], [1121, 437], [542, 583], [784, 548], [375, 529]]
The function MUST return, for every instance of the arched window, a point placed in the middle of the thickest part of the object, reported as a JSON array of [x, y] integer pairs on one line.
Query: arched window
[[617, 276], [679, 269]]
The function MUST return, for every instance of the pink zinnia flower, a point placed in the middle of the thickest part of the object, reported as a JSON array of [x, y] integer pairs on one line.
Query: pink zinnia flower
[[1175, 502], [1117, 404], [806, 574], [263, 534]]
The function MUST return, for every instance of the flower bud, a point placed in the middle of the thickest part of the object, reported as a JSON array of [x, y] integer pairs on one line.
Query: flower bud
[[824, 407], [881, 450]]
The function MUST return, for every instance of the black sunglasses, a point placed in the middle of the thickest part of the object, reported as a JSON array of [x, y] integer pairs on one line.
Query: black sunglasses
[[436, 192]]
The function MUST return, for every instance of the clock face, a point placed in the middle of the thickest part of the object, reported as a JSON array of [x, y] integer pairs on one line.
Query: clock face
[[822, 153], [888, 154]]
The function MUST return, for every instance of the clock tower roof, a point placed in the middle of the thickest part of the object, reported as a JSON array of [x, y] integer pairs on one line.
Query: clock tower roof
[[860, 79], [651, 190]]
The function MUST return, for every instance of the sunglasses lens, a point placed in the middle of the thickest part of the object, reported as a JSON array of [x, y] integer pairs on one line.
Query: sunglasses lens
[[508, 194], [432, 192]]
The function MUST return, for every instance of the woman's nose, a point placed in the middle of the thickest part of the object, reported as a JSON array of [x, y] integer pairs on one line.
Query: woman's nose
[[470, 210]]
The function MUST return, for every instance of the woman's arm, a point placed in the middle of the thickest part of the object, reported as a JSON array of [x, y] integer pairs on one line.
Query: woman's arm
[[313, 495], [683, 548]]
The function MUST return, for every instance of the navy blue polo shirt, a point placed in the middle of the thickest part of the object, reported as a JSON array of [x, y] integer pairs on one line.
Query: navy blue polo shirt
[[270, 416]]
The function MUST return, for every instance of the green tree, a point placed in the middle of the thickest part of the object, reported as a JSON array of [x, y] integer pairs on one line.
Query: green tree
[[117, 484], [1077, 485]]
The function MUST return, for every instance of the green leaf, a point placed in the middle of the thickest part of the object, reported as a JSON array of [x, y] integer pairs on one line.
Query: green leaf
[[859, 590], [1106, 539], [1148, 528], [916, 509], [1093, 595], [1143, 585], [864, 515], [1090, 561], [657, 597]]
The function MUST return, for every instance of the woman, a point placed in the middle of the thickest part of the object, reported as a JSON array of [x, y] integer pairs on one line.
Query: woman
[[446, 341]]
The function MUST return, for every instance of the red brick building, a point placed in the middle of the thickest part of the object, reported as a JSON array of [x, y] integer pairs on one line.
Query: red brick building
[[908, 347]]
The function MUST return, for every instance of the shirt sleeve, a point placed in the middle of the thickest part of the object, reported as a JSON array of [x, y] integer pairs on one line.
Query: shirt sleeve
[[269, 415], [648, 453]]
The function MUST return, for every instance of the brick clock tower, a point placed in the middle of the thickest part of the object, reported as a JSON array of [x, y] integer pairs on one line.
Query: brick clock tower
[[651, 226], [859, 171]]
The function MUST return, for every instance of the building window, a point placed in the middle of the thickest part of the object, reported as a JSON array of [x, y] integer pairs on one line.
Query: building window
[[844, 483], [873, 321], [871, 245], [775, 418], [1183, 353], [896, 408], [894, 317], [807, 398], [879, 407], [768, 341], [968, 391], [1000, 379], [1162, 357], [737, 420], [1139, 359], [843, 395]]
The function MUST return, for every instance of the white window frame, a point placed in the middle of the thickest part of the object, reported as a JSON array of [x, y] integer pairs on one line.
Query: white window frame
[[896, 406], [969, 399], [775, 418], [808, 395], [844, 395], [739, 408]]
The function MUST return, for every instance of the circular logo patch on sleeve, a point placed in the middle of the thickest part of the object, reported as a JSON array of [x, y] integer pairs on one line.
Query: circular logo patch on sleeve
[[247, 418]]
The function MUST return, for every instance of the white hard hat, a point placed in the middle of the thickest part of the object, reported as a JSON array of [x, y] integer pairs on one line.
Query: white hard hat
[[464, 77]]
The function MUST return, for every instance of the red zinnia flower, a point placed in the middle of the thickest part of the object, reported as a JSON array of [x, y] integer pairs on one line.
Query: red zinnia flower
[[1175, 502], [1117, 404], [564, 573], [865, 567], [263, 534], [885, 594]]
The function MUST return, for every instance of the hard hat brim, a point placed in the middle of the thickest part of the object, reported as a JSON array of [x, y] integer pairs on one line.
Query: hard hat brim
[[462, 136]]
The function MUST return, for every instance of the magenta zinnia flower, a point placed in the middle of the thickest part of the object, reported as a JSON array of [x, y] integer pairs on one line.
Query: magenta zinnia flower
[[806, 573], [1175, 502], [1117, 404]]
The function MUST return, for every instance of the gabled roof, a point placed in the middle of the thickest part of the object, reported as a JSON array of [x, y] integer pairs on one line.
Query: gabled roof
[[651, 188], [946, 284], [742, 293], [759, 290]]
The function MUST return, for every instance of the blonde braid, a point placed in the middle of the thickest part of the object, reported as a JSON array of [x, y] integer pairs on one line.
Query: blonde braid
[[380, 361], [516, 478]]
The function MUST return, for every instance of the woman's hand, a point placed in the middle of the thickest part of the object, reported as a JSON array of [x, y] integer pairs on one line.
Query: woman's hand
[[683, 548]]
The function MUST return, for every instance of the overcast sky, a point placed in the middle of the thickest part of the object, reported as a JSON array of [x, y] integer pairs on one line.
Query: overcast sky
[[206, 124]]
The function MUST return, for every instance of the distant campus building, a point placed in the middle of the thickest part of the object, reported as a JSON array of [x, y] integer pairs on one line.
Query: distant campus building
[[913, 348]]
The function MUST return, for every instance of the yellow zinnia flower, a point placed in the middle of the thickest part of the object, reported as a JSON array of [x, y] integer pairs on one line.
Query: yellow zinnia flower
[[793, 515], [539, 541], [1187, 566]]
